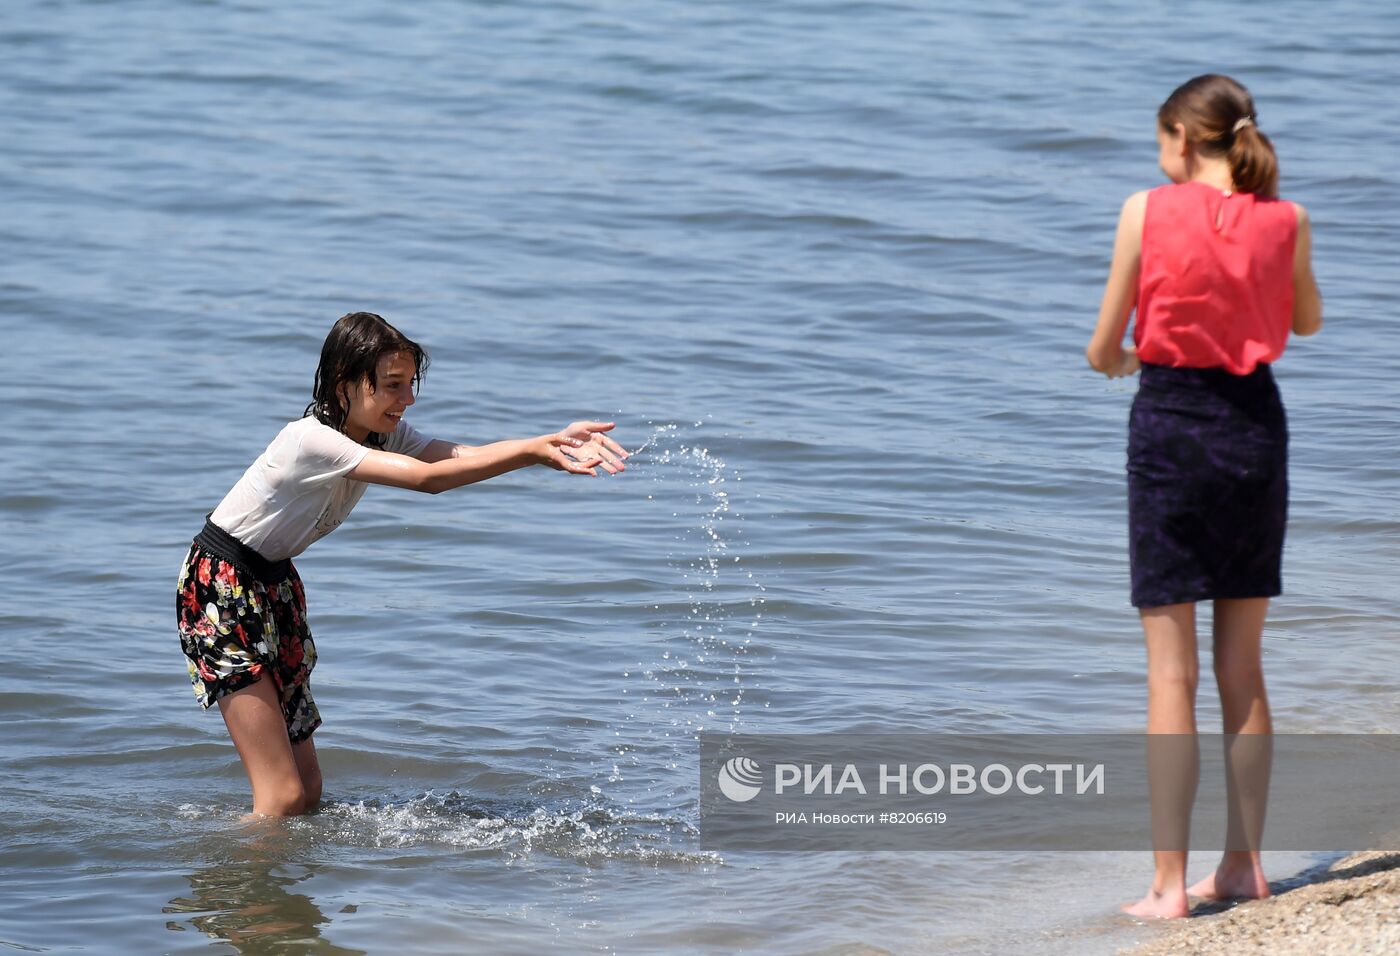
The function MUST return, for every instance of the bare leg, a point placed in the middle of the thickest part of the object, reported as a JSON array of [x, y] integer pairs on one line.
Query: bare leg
[[309, 768], [1244, 705], [259, 731], [1173, 673]]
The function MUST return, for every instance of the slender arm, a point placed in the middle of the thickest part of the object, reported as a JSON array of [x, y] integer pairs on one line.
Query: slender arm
[[1105, 351], [469, 464], [1307, 300]]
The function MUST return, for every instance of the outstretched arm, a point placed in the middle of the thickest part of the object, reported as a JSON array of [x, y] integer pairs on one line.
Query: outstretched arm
[[578, 449], [1106, 352], [558, 451], [479, 464], [589, 436]]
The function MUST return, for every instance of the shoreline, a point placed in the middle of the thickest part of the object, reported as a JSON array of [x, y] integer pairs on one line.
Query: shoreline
[[1351, 906]]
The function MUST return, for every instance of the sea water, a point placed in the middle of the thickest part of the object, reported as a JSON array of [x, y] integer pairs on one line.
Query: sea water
[[830, 267]]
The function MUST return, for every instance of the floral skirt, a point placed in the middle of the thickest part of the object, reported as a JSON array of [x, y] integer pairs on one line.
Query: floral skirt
[[241, 617]]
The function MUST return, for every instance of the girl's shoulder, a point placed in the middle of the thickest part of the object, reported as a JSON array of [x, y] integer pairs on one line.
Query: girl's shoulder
[[1280, 213], [288, 435], [1134, 211], [296, 431], [313, 437], [311, 446], [311, 431], [306, 423]]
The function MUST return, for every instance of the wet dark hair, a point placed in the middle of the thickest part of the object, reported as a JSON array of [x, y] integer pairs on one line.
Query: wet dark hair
[[1213, 109], [351, 354]]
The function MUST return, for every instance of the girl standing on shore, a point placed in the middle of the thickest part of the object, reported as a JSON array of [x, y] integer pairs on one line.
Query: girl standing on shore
[[1219, 271], [239, 604]]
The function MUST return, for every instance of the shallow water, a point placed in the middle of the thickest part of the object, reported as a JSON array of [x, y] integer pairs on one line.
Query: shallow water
[[833, 265]]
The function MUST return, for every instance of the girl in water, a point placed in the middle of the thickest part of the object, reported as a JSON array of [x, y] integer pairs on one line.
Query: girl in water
[[240, 606], [1219, 271]]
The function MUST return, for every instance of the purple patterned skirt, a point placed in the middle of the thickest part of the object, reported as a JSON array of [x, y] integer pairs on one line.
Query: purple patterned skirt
[[1207, 485]]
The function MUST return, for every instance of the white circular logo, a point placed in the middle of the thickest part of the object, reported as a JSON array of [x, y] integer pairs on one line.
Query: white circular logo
[[740, 779]]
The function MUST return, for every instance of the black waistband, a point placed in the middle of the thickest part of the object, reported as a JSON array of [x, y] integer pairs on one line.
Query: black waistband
[[1214, 380], [1261, 371], [220, 543]]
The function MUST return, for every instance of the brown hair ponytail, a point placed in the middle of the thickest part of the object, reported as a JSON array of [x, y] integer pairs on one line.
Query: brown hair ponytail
[[1218, 115], [1253, 163]]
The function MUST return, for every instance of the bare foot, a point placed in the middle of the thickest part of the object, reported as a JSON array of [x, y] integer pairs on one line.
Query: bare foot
[[1232, 884], [1155, 905]]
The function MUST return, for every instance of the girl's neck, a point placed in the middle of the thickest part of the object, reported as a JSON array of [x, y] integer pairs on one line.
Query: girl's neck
[[1215, 173]]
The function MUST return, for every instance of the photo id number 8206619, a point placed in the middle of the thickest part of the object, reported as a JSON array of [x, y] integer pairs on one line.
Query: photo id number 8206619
[[922, 816]]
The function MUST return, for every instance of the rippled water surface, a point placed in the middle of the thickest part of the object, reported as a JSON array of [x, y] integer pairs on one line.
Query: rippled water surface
[[830, 266]]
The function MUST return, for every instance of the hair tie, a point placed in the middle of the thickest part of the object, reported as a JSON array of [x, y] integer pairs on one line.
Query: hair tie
[[1241, 123]]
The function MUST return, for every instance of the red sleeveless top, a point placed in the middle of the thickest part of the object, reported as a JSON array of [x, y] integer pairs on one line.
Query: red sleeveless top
[[1214, 296]]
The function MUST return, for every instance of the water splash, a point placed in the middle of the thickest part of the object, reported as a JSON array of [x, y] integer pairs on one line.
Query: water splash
[[695, 680], [570, 829]]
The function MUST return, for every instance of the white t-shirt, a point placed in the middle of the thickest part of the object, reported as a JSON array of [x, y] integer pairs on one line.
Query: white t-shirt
[[297, 492]]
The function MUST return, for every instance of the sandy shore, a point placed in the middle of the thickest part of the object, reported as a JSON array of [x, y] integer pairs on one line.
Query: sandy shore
[[1351, 907]]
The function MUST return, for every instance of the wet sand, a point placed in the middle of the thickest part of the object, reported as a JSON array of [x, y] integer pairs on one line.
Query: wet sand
[[1351, 907]]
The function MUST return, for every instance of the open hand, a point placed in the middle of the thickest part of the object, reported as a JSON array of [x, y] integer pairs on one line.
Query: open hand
[[592, 444], [580, 447]]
